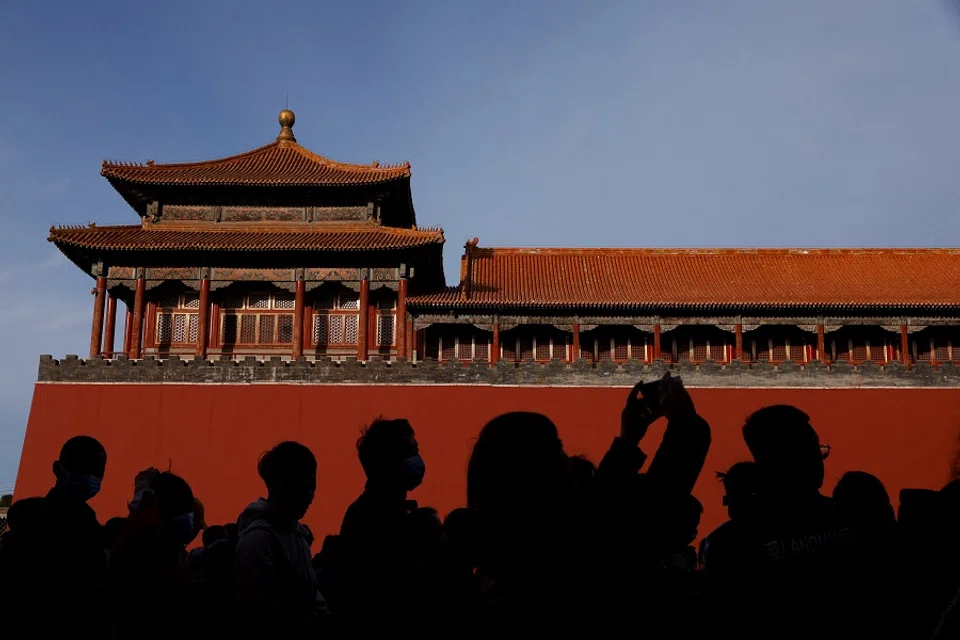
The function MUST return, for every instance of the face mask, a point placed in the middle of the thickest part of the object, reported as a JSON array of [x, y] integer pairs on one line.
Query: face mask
[[82, 486], [413, 471], [183, 528]]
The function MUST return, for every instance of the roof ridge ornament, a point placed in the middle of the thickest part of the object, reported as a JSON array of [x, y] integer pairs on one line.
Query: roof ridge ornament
[[287, 119]]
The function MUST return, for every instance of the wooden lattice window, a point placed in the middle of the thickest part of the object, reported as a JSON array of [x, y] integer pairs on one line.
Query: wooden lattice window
[[465, 344], [621, 348], [716, 351], [177, 328], [481, 347], [386, 321], [762, 349], [778, 350], [698, 347], [586, 350], [448, 348], [859, 351], [386, 330], [604, 352], [177, 320], [336, 320], [256, 328], [797, 350], [255, 318], [525, 349], [941, 350], [509, 349]]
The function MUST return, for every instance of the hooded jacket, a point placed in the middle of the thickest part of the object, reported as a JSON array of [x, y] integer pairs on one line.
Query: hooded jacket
[[274, 582]]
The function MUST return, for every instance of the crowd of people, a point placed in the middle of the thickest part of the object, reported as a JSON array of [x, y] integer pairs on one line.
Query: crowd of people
[[548, 543]]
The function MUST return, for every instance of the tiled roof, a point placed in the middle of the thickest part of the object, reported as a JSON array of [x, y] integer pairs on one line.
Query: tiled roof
[[340, 238], [280, 163], [704, 278]]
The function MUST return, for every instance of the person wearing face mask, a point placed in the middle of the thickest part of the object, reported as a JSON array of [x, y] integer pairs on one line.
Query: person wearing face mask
[[374, 536], [275, 586], [148, 561], [57, 546]]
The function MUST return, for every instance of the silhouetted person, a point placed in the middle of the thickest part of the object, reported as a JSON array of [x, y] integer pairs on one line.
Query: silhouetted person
[[643, 520], [149, 560], [378, 561], [53, 555], [741, 484], [927, 524], [864, 502], [211, 576], [797, 564], [112, 532], [274, 581], [521, 488]]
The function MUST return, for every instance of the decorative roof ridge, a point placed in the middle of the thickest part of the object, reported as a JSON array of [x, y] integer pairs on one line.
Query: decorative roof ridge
[[348, 166], [93, 227], [253, 228], [194, 163], [283, 144], [488, 251]]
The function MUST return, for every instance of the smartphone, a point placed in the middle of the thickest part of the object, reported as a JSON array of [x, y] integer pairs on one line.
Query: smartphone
[[650, 391]]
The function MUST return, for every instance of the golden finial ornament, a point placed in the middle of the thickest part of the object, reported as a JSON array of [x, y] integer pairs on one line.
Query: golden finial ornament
[[287, 119]]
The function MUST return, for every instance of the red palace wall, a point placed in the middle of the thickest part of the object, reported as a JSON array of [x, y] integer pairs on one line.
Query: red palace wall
[[212, 435]]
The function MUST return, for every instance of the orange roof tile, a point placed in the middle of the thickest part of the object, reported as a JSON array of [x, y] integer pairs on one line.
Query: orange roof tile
[[705, 278], [339, 238], [281, 163]]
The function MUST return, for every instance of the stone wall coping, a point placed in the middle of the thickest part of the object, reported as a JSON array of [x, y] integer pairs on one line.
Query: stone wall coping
[[252, 369]]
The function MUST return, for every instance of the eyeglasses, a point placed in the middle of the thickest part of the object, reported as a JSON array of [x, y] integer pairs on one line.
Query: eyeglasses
[[825, 450]]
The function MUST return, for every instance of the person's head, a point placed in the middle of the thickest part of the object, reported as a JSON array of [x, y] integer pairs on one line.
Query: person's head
[[80, 467], [390, 455], [213, 533], [518, 467], [786, 448], [289, 471], [176, 505], [232, 531], [740, 485], [112, 529], [862, 497]]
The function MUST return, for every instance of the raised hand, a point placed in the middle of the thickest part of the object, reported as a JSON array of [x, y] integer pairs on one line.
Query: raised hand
[[675, 400], [636, 417]]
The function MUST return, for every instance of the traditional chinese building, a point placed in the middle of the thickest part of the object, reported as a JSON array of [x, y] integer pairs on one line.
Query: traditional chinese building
[[280, 294]]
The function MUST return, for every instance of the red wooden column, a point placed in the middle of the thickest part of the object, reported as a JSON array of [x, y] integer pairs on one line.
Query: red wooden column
[[904, 346], [298, 300], [575, 345], [127, 329], [111, 327], [136, 331], [96, 330], [203, 318], [738, 341], [495, 342], [402, 318], [410, 340], [822, 345], [214, 340], [656, 341], [149, 326], [363, 349]]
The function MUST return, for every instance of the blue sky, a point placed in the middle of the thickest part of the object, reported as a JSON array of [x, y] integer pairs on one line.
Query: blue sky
[[602, 123]]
